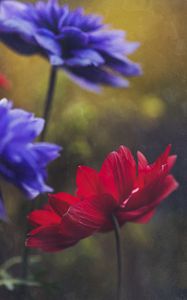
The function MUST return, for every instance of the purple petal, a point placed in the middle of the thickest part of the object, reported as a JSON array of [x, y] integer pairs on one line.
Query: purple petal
[[11, 8], [94, 75], [56, 60], [131, 47], [69, 39], [123, 66], [73, 38], [46, 152], [46, 39], [22, 162], [83, 83], [85, 57]]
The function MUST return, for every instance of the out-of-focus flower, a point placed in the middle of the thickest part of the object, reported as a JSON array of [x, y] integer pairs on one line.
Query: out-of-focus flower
[[23, 162], [121, 189], [4, 82], [88, 50]]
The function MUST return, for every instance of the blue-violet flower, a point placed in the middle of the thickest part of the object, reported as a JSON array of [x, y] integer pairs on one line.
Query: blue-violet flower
[[22, 162], [88, 50]]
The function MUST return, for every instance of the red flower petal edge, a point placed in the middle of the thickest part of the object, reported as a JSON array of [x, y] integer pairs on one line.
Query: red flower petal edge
[[122, 188], [4, 82]]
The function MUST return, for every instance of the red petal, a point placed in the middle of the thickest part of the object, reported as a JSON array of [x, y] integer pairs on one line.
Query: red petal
[[68, 198], [142, 169], [43, 217], [118, 173], [161, 161], [88, 183], [160, 168], [142, 161], [145, 218], [73, 227], [93, 212], [80, 221], [169, 185], [142, 215], [141, 205], [160, 188], [4, 82], [49, 239], [61, 202], [171, 161]]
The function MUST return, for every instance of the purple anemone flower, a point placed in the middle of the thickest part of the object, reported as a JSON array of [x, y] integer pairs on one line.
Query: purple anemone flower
[[89, 51], [22, 162]]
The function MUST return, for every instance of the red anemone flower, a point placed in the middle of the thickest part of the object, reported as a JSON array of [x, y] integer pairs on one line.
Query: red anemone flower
[[121, 189], [4, 82]]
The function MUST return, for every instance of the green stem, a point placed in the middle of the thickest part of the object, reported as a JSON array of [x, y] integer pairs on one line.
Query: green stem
[[46, 116], [119, 258], [49, 100]]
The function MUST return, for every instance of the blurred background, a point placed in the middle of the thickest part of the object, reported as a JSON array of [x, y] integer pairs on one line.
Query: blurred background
[[149, 115]]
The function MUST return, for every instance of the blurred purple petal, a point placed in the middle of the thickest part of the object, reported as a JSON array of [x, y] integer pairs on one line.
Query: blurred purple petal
[[69, 39], [94, 75], [23, 162]]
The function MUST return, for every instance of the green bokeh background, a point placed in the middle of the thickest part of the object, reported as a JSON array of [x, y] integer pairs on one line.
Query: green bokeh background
[[147, 116]]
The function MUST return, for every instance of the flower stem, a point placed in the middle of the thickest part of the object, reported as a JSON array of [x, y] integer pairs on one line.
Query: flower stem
[[119, 258], [49, 100], [46, 116], [23, 290]]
